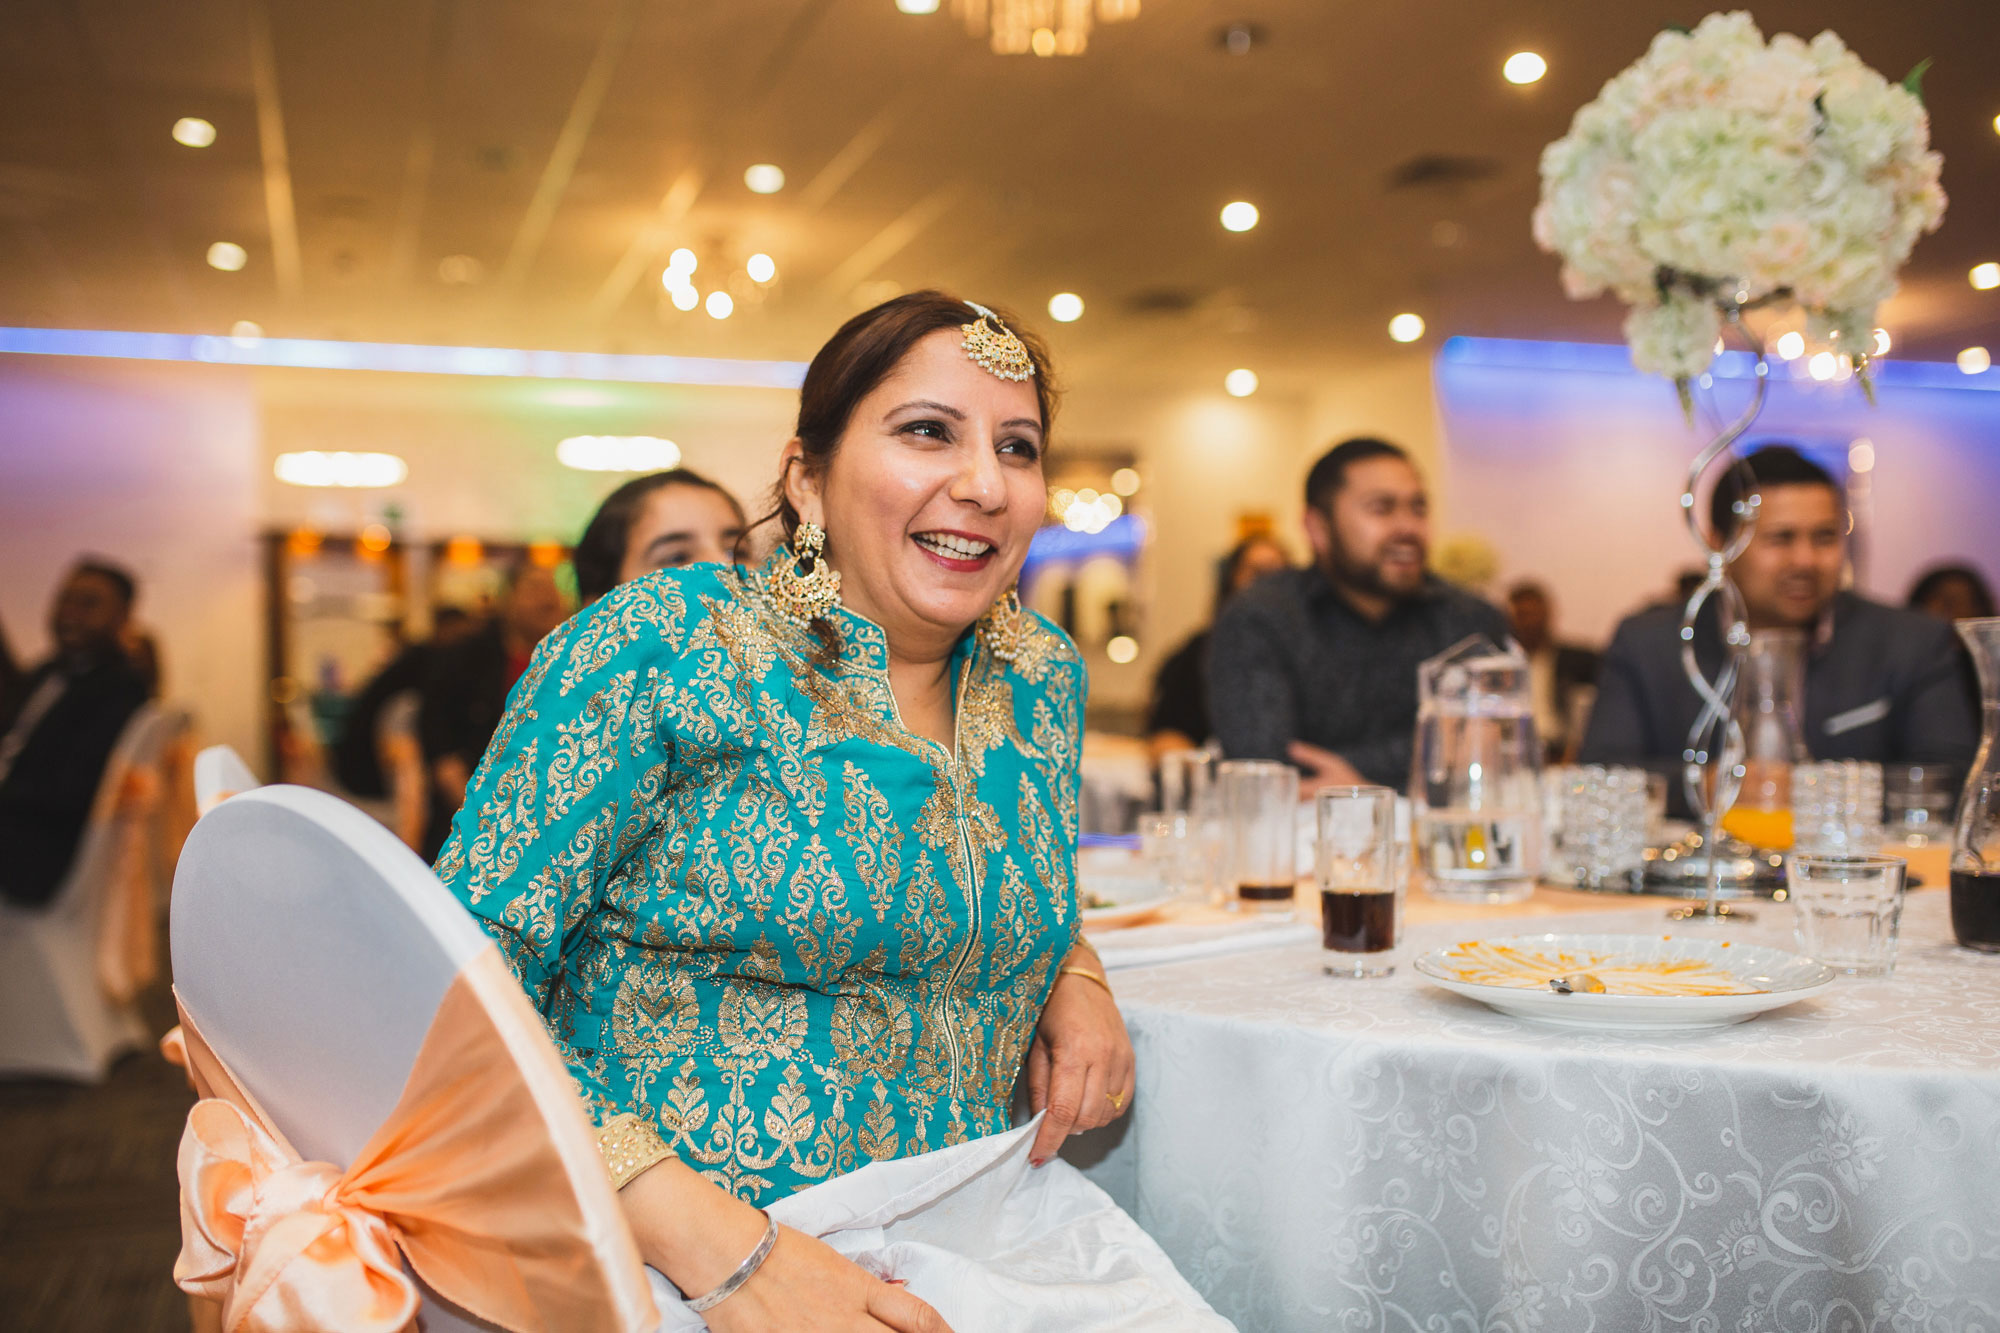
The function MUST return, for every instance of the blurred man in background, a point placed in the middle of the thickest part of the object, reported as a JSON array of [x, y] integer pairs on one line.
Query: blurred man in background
[[1319, 665], [58, 726], [1882, 683], [467, 689], [1562, 677]]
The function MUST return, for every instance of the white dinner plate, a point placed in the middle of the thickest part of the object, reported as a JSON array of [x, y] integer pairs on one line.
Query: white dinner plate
[[1115, 887], [1652, 982]]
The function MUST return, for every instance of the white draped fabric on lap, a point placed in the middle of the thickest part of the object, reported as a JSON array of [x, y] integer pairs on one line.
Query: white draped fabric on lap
[[1316, 1153], [995, 1245]]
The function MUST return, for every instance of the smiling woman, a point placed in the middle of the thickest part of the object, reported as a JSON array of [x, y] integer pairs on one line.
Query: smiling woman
[[786, 856]]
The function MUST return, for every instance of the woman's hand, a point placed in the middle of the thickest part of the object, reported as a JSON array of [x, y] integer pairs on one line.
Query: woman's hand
[[697, 1235], [805, 1285], [1080, 1064]]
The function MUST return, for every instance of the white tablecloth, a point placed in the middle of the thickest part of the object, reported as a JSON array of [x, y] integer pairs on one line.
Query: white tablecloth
[[1316, 1153]]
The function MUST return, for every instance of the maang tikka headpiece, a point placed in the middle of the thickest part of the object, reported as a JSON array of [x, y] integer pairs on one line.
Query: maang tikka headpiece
[[993, 347]]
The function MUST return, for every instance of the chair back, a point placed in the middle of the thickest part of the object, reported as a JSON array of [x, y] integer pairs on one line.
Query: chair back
[[220, 773], [312, 951]]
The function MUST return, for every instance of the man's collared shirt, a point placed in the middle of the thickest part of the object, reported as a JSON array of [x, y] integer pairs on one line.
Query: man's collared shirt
[[1291, 660]]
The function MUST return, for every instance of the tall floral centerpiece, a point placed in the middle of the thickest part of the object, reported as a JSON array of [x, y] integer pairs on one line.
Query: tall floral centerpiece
[[1718, 175]]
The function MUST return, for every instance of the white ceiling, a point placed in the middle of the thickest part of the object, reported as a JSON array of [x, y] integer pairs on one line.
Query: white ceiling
[[569, 145]]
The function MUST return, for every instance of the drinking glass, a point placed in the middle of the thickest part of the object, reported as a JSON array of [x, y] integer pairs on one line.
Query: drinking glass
[[1360, 890], [1918, 801], [1188, 797], [1848, 909], [1260, 812]]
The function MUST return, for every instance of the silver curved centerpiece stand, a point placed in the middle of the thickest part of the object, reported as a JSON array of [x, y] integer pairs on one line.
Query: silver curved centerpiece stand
[[1712, 763]]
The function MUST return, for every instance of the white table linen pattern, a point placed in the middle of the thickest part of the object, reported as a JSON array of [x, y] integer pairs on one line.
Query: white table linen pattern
[[1318, 1153]]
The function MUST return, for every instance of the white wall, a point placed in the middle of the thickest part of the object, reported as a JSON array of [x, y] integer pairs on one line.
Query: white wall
[[1573, 475], [155, 468]]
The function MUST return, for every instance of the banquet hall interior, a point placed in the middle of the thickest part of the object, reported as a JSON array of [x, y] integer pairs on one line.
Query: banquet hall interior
[[326, 329]]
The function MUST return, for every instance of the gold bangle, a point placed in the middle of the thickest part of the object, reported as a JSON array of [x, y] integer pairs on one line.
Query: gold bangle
[[1086, 972], [630, 1146]]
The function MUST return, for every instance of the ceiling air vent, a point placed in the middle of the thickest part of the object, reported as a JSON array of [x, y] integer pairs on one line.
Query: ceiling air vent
[[1441, 171], [1163, 301]]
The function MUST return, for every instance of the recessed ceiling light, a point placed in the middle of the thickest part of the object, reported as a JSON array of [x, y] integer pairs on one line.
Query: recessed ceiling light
[[1881, 342], [1985, 276], [1791, 346], [194, 132], [1406, 328], [618, 453], [1861, 455], [1974, 360], [1065, 307], [313, 468], [684, 296], [1524, 67], [1122, 648], [1239, 38], [719, 305], [1125, 481], [460, 270], [917, 6], [227, 256], [1239, 216], [764, 179], [761, 268], [1240, 383], [681, 261]]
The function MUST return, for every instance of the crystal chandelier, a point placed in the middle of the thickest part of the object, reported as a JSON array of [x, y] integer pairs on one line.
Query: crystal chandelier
[[1044, 27]]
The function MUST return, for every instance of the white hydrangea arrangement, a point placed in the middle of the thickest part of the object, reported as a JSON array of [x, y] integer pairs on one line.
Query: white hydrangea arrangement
[[1720, 172]]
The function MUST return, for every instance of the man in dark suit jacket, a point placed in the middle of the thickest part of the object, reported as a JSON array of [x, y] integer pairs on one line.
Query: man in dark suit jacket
[[58, 726], [1881, 682]]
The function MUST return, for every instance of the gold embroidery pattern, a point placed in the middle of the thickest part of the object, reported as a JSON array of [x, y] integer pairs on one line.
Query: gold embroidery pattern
[[761, 916]]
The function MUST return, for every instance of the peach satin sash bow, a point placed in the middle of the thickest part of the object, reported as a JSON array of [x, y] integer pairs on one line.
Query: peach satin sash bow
[[503, 1209]]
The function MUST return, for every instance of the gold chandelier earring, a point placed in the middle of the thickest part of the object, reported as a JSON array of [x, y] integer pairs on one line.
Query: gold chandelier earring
[[805, 594], [1005, 626]]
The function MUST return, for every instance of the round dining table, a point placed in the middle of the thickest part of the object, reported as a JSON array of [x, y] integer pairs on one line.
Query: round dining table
[[1318, 1152]]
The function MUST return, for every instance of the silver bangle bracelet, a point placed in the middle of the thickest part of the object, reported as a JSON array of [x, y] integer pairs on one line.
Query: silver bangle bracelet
[[747, 1269]]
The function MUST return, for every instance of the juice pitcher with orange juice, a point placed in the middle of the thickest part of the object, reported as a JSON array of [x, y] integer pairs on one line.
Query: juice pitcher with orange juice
[[1767, 709]]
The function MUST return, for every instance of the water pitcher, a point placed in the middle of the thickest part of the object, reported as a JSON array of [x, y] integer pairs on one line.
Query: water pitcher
[[1975, 843], [1475, 783]]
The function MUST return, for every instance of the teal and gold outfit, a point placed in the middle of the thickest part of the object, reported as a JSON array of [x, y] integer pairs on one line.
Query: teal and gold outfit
[[769, 926]]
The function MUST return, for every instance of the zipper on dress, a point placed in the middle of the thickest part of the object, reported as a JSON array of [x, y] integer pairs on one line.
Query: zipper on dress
[[965, 855]]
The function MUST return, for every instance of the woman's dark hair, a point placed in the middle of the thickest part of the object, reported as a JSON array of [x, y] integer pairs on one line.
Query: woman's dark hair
[[600, 552], [865, 351], [1933, 580], [1226, 570]]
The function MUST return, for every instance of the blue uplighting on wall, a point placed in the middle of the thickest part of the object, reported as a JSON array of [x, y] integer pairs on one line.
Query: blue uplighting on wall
[[1614, 359], [1122, 539], [409, 358]]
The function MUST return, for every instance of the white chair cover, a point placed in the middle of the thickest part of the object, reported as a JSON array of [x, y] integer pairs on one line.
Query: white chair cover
[[56, 1018], [313, 949]]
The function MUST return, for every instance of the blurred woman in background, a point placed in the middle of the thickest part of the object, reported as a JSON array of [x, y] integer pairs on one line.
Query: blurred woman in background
[[1178, 716], [662, 521]]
